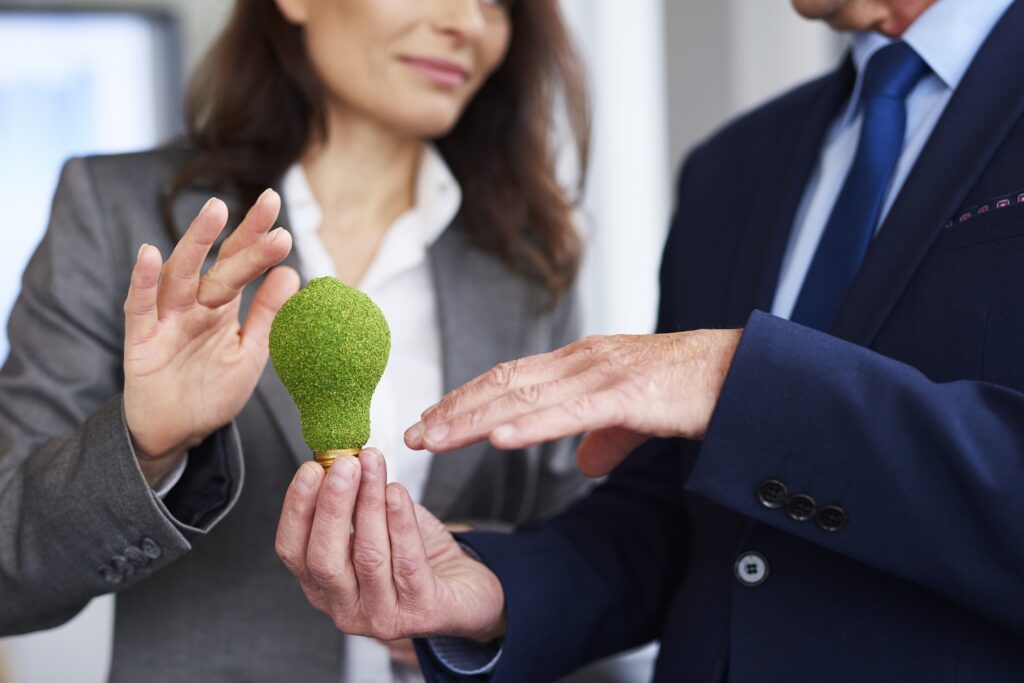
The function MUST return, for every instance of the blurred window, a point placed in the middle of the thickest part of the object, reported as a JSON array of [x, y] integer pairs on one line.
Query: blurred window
[[74, 82]]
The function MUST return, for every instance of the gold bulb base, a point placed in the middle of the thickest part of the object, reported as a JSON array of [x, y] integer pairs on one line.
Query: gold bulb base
[[327, 458]]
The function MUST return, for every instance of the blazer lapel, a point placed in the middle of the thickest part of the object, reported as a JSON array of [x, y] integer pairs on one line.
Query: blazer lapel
[[760, 250], [985, 106], [482, 313], [269, 391]]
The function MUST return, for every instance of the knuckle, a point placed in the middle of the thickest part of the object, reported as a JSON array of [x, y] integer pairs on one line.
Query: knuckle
[[527, 395], [366, 559], [405, 567], [502, 374], [323, 570]]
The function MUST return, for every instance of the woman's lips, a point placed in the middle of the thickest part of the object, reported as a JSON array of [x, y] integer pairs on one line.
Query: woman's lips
[[439, 71]]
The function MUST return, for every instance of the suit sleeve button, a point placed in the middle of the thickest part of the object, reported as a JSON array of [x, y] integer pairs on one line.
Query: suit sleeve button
[[751, 569], [122, 566], [136, 557], [150, 548], [772, 493], [110, 575], [800, 507], [831, 518]]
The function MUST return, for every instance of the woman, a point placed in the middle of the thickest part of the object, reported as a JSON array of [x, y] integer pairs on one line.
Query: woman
[[411, 144]]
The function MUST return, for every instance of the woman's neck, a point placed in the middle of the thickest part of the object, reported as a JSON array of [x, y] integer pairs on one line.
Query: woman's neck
[[363, 175]]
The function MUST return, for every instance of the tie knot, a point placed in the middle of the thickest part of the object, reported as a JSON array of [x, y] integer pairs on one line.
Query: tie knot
[[893, 72]]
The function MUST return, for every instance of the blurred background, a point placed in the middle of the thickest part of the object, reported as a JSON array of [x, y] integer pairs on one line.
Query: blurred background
[[83, 77]]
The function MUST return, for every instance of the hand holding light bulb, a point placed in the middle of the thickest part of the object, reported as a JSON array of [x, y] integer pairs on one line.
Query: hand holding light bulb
[[189, 365]]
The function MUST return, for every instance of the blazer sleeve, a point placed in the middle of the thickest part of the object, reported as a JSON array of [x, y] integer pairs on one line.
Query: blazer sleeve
[[929, 474], [77, 518]]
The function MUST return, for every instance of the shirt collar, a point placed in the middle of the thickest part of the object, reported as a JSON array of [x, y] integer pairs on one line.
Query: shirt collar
[[947, 36]]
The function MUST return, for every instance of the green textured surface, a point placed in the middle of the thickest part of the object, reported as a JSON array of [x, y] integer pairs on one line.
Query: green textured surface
[[329, 344]]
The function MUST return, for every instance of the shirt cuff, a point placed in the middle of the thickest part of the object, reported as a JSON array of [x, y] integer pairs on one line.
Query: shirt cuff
[[464, 656], [164, 486]]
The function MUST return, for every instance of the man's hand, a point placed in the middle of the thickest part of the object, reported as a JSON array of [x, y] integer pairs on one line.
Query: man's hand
[[378, 565], [622, 390]]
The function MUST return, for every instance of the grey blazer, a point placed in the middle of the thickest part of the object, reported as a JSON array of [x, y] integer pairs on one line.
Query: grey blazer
[[210, 602]]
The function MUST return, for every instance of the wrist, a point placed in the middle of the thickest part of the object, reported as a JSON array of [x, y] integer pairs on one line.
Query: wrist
[[156, 469]]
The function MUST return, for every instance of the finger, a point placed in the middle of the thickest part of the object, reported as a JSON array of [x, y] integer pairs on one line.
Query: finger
[[327, 555], [180, 281], [499, 380], [140, 309], [582, 413], [371, 549], [277, 286], [297, 519], [603, 450], [225, 280], [414, 580], [473, 425], [257, 222]]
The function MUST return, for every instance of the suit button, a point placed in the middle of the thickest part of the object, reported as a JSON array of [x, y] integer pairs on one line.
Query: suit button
[[751, 569], [122, 566], [110, 575], [800, 507], [136, 557], [150, 548], [772, 493], [831, 518]]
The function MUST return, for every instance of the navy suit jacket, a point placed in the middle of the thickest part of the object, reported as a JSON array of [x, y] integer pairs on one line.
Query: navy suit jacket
[[908, 414]]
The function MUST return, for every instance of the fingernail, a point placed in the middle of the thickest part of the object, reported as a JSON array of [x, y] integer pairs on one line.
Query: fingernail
[[206, 206], [345, 467], [306, 479], [437, 433], [414, 434], [263, 195], [370, 461], [504, 432], [394, 498], [139, 255], [272, 235]]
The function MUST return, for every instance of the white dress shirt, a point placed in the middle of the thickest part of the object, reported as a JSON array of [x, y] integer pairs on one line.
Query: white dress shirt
[[946, 36], [399, 280]]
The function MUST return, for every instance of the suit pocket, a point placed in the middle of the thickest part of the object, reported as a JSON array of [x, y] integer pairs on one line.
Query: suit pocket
[[981, 228]]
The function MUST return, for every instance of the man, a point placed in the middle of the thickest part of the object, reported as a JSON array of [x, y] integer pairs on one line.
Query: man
[[831, 497]]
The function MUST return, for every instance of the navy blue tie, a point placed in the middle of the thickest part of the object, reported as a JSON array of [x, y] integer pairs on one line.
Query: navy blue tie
[[891, 74]]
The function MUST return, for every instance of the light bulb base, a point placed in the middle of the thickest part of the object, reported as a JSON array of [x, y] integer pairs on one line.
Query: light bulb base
[[327, 458]]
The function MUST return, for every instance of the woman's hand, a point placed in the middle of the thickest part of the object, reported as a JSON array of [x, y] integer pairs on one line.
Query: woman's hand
[[378, 565], [189, 366]]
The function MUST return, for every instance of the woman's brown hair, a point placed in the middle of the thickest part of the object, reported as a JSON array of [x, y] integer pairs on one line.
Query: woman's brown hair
[[255, 105]]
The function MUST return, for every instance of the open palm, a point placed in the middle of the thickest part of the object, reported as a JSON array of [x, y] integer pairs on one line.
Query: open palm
[[189, 365]]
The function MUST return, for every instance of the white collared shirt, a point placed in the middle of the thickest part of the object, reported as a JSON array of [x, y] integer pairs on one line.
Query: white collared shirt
[[399, 280], [947, 36]]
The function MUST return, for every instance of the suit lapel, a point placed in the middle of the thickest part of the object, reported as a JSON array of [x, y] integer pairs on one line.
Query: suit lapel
[[269, 391], [760, 249], [985, 106], [482, 313]]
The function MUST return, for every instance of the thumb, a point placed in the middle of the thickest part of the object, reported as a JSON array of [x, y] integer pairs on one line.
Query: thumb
[[603, 450], [277, 286]]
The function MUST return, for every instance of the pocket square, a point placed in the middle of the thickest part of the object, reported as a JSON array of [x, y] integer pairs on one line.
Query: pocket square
[[1001, 202]]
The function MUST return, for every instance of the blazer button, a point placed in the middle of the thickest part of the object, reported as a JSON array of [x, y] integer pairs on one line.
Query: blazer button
[[110, 575], [150, 548], [122, 566], [751, 569], [772, 493], [137, 558], [831, 518], [800, 507]]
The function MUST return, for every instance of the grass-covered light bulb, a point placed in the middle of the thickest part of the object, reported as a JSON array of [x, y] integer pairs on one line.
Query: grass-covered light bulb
[[329, 344]]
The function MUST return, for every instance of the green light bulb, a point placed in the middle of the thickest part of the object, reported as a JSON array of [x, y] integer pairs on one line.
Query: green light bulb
[[329, 344]]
